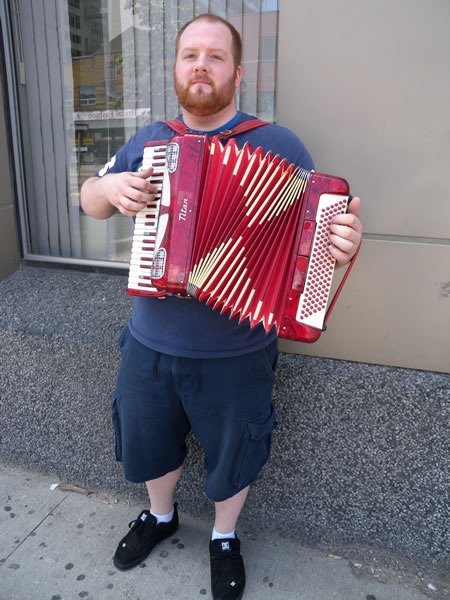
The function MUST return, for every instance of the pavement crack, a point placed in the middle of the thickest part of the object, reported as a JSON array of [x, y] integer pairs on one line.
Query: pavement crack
[[30, 533]]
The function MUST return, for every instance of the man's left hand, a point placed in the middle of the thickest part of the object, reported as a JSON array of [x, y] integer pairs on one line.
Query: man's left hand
[[346, 233]]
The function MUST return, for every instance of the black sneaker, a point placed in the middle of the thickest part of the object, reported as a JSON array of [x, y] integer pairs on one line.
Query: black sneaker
[[227, 569], [143, 536]]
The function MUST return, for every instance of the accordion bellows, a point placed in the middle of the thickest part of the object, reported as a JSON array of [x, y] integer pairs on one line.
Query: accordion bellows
[[241, 230]]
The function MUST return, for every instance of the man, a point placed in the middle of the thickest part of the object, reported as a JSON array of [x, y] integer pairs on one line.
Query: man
[[184, 366]]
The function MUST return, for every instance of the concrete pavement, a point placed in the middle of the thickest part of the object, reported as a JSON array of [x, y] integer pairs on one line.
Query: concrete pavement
[[57, 544]]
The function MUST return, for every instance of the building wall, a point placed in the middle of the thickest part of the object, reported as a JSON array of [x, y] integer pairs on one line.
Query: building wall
[[9, 244], [366, 90], [366, 87]]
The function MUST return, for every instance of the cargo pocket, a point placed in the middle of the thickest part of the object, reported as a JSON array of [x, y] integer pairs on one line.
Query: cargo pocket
[[122, 338], [115, 414], [258, 449]]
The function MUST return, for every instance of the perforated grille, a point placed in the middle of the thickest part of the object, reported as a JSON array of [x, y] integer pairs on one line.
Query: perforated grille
[[314, 299]]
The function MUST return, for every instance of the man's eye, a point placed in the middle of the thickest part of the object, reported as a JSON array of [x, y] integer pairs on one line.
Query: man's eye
[[216, 57]]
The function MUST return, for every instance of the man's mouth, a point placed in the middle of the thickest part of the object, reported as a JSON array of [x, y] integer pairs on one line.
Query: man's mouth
[[204, 81]]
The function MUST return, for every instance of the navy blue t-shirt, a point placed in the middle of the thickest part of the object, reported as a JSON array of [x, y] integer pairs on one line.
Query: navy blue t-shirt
[[186, 327]]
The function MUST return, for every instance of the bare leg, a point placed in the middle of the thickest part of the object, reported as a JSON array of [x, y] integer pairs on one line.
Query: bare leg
[[161, 491], [228, 511]]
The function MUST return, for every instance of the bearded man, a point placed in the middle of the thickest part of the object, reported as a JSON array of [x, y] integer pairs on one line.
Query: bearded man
[[184, 366]]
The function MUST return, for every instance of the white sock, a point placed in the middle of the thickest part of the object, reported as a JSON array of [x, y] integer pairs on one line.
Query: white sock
[[221, 536], [163, 518]]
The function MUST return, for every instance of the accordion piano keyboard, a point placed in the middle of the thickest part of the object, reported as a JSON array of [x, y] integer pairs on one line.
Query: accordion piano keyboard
[[143, 244]]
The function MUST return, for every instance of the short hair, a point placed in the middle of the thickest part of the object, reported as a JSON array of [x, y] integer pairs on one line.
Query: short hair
[[212, 18]]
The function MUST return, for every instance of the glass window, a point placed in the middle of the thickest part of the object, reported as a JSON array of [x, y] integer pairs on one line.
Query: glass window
[[93, 72], [111, 94], [74, 21], [87, 95], [269, 48]]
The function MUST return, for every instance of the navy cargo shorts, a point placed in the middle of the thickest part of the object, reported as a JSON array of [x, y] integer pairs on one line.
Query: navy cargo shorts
[[226, 402]]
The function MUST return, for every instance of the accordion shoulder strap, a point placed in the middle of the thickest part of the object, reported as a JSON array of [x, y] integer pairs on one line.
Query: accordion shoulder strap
[[341, 284], [179, 127]]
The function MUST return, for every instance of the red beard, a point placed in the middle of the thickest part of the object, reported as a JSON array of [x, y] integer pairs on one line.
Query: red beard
[[203, 103]]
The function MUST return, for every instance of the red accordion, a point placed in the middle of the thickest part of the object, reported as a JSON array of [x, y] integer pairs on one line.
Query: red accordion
[[241, 230]]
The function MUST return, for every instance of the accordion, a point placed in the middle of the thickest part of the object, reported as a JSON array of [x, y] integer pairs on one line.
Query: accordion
[[241, 230]]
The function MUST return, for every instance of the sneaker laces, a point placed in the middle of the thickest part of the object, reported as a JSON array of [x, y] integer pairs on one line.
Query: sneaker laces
[[230, 560], [137, 531]]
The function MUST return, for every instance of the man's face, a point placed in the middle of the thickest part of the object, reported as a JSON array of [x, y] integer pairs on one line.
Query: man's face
[[205, 75]]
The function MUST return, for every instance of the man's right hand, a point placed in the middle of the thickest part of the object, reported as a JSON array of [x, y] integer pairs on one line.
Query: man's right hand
[[126, 193]]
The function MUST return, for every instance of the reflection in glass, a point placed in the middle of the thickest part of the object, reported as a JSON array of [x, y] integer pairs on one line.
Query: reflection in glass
[[103, 69]]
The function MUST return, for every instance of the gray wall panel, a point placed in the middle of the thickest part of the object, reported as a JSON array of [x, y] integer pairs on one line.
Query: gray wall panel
[[366, 86]]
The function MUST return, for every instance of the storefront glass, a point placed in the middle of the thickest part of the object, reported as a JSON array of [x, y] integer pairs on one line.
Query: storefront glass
[[89, 74]]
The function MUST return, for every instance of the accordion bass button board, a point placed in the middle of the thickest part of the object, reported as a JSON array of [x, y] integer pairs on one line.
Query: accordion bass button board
[[241, 230], [307, 302]]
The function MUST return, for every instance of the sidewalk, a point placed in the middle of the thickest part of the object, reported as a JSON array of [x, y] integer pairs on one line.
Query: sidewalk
[[57, 545]]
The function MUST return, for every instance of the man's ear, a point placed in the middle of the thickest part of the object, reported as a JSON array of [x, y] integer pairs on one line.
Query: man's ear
[[238, 76]]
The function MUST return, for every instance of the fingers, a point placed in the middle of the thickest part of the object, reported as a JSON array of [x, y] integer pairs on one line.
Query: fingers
[[354, 206], [144, 174], [351, 217], [132, 191], [346, 233], [342, 250]]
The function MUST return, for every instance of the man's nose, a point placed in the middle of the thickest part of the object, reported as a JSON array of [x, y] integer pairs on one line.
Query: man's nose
[[201, 64]]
